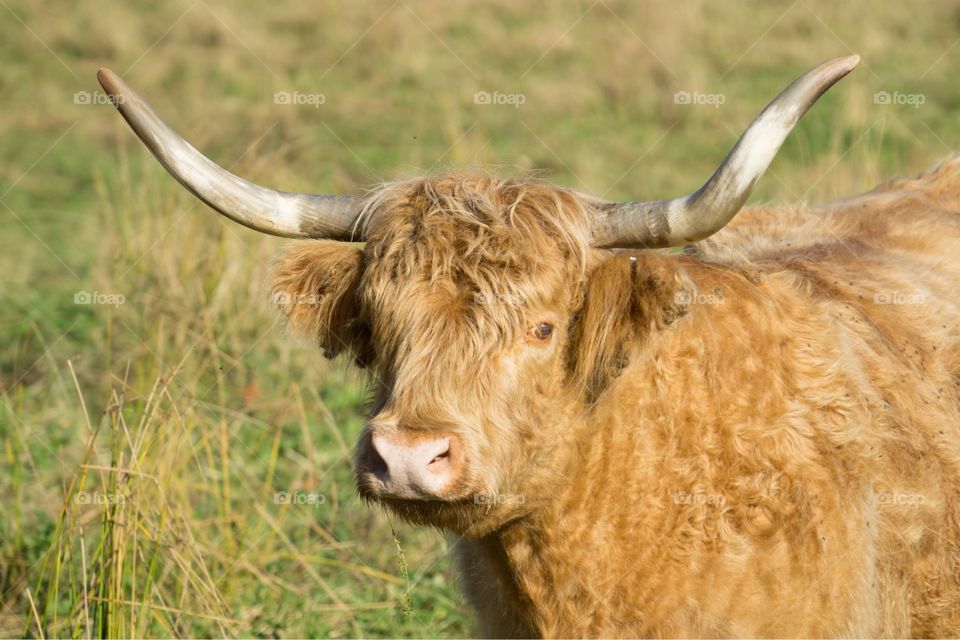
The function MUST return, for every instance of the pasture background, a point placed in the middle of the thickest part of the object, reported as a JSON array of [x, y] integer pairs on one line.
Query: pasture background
[[186, 408]]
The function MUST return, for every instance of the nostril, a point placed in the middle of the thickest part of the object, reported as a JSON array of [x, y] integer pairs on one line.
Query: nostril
[[377, 465]]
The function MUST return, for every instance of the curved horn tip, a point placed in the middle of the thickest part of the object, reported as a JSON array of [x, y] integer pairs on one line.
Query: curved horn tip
[[836, 68], [109, 80], [847, 62]]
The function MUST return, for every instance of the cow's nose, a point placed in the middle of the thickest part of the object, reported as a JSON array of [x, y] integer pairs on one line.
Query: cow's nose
[[416, 470]]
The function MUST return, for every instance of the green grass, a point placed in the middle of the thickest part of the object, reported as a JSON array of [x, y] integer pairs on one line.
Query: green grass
[[142, 445]]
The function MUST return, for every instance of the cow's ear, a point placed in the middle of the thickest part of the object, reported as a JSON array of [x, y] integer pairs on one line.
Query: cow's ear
[[316, 286], [627, 297]]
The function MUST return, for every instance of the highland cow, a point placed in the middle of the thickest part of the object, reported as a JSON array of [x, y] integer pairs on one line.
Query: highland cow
[[756, 436]]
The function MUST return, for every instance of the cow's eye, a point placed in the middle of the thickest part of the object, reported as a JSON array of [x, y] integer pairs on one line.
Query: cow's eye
[[541, 332]]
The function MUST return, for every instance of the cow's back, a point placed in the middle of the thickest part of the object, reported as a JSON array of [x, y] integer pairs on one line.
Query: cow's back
[[881, 272]]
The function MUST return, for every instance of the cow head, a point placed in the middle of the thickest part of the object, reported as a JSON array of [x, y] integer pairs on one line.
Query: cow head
[[489, 313]]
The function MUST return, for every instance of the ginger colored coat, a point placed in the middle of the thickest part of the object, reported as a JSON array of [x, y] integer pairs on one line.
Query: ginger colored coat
[[759, 436]]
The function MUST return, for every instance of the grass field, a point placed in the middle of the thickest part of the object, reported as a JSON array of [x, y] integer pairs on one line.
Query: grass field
[[171, 463]]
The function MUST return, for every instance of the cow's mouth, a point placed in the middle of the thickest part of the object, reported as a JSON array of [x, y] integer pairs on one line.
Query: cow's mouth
[[471, 516], [371, 487]]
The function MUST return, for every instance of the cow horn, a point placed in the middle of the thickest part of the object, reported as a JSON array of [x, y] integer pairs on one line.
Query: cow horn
[[668, 223], [293, 215]]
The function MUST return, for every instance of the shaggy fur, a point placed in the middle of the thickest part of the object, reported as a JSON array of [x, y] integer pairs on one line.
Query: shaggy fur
[[757, 437]]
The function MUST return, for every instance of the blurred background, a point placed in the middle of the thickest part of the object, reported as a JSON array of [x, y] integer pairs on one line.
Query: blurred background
[[173, 464]]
